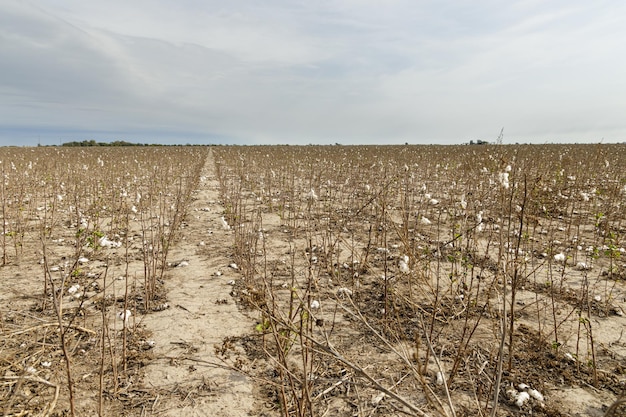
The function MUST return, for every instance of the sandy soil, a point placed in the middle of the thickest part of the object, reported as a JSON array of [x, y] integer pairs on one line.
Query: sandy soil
[[200, 316]]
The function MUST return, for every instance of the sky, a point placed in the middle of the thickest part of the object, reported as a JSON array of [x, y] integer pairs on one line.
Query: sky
[[312, 72]]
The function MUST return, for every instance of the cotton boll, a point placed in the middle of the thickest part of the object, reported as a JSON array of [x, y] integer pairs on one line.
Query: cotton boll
[[404, 267], [439, 378], [124, 316], [503, 178], [521, 399], [73, 289], [433, 201], [559, 257], [311, 196], [315, 304], [535, 394], [425, 221], [582, 266]]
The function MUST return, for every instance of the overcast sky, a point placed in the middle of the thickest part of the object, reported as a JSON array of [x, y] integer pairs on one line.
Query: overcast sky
[[291, 71]]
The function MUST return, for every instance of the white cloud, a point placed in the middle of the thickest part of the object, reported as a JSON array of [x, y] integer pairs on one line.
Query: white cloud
[[325, 71]]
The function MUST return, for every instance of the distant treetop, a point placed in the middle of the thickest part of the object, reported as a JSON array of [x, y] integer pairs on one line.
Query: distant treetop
[[94, 143]]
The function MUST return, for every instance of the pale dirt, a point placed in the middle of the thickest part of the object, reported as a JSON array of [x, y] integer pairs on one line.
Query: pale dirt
[[201, 315]]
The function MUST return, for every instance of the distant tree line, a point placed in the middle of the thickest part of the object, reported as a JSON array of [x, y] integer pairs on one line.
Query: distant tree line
[[94, 143], [479, 142]]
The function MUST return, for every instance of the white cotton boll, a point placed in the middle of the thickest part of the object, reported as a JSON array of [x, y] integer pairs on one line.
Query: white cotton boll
[[570, 357], [311, 196], [559, 257], [225, 224], [182, 264], [134, 209], [233, 266], [508, 168], [315, 304], [535, 394], [521, 399], [582, 266], [403, 264], [597, 298], [425, 221], [433, 201], [463, 204], [83, 260], [124, 316], [231, 282], [439, 378], [503, 177], [106, 243], [46, 364], [73, 289], [479, 217], [523, 386]]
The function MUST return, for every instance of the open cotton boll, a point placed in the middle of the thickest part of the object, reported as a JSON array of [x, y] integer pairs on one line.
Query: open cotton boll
[[521, 398], [559, 257], [404, 268], [124, 316], [315, 304], [439, 378], [311, 196], [225, 224], [425, 221], [106, 243], [72, 290], [535, 394], [503, 178], [582, 266], [433, 202]]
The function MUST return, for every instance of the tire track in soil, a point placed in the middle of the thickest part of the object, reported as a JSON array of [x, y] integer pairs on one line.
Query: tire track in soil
[[201, 314]]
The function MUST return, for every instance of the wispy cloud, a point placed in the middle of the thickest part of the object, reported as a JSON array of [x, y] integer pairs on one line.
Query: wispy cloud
[[332, 71]]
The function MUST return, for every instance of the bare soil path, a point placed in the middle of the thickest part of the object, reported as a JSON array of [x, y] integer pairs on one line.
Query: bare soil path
[[201, 314]]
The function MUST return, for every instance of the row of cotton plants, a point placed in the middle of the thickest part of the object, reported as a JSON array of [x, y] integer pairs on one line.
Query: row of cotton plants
[[92, 228], [438, 248]]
